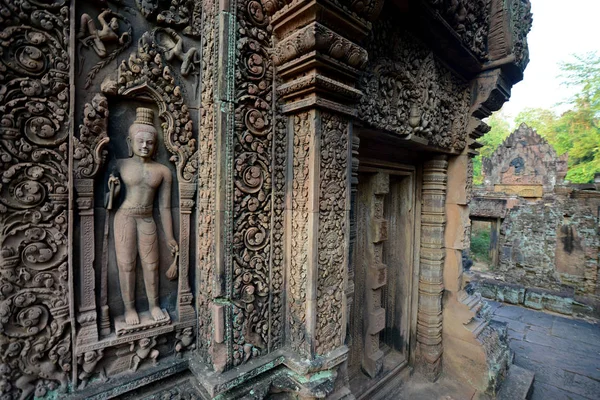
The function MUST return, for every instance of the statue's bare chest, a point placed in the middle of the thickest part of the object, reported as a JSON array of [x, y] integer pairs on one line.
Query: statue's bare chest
[[141, 176]]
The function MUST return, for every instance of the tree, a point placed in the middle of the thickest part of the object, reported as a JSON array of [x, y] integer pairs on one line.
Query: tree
[[580, 124], [584, 74]]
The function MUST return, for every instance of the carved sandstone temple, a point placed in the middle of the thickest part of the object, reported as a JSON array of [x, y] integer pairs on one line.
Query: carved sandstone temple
[[251, 198]]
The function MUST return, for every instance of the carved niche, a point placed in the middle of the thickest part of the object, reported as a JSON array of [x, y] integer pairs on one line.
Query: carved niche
[[35, 350], [103, 349], [407, 91]]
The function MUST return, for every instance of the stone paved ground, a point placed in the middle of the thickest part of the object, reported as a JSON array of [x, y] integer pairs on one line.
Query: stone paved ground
[[563, 353]]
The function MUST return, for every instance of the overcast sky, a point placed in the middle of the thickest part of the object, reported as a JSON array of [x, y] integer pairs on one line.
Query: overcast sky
[[560, 28]]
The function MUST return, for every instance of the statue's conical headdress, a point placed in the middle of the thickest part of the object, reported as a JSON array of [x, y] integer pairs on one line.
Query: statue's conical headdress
[[144, 116]]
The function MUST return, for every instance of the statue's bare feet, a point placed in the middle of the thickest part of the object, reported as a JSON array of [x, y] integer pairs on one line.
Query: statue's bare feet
[[157, 314], [131, 317]]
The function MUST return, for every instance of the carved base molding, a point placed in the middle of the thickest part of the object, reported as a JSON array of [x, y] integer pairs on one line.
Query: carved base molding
[[146, 322], [281, 369], [127, 383]]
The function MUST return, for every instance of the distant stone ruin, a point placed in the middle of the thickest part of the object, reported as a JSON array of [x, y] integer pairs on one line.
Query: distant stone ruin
[[545, 240]]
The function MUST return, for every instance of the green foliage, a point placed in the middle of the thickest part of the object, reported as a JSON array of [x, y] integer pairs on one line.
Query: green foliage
[[500, 129], [480, 245], [584, 73], [576, 131]]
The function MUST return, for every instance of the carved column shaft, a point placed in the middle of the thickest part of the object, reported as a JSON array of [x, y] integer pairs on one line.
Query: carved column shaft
[[433, 220]]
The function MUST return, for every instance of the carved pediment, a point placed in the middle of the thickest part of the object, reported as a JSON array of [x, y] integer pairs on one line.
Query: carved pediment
[[409, 92]]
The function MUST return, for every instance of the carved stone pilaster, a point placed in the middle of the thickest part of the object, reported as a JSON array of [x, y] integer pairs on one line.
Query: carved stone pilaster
[[89, 155], [87, 303], [35, 199], [431, 287], [187, 192], [317, 68]]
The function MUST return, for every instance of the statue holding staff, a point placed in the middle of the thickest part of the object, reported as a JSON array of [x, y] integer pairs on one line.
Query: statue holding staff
[[135, 231]]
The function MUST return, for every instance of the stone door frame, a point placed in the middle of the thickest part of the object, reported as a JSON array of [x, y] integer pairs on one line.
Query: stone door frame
[[379, 226]]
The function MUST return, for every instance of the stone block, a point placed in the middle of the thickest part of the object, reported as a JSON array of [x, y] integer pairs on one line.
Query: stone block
[[456, 192], [506, 254], [558, 303], [377, 276], [457, 220], [376, 321], [517, 385], [373, 364], [218, 322], [488, 289], [511, 294], [466, 361], [380, 230], [533, 299], [521, 190], [453, 270], [381, 183]]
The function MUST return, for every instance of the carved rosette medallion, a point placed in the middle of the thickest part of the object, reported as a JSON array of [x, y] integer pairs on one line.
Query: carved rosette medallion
[[35, 345]]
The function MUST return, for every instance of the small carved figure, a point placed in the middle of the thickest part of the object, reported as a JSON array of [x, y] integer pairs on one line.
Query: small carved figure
[[134, 227], [171, 44], [144, 349], [46, 370], [185, 341], [88, 361], [90, 35]]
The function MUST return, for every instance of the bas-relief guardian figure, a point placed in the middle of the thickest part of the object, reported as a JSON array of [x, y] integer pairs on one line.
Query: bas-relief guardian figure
[[135, 230]]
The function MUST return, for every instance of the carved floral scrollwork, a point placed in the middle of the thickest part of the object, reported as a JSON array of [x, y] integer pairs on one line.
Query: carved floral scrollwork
[[35, 339], [253, 185], [299, 237], [521, 20], [332, 231], [180, 14]]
